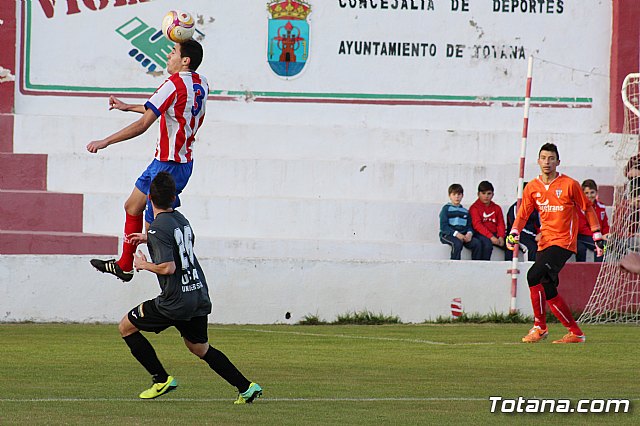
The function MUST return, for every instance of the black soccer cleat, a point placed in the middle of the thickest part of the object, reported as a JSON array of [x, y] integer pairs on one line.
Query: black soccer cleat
[[111, 267]]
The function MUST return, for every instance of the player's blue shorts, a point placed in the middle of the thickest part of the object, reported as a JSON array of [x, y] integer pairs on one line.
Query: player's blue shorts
[[181, 173]]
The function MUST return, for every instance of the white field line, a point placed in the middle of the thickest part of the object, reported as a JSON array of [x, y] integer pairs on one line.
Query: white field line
[[231, 400], [350, 336], [262, 400]]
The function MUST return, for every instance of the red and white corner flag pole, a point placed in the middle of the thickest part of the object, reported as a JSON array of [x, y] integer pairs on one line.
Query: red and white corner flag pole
[[523, 151]]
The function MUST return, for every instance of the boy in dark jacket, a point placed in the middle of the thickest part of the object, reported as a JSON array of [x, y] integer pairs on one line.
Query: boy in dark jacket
[[455, 226]]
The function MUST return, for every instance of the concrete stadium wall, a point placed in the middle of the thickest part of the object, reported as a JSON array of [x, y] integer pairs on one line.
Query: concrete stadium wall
[[321, 189], [261, 291]]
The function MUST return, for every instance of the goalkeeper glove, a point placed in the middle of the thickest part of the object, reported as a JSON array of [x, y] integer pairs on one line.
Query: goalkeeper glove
[[512, 239], [599, 243]]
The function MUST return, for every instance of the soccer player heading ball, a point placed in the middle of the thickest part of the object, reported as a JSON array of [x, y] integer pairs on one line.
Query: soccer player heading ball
[[557, 198], [181, 102]]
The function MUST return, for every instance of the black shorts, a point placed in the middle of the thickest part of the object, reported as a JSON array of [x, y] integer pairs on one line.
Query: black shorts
[[147, 317], [546, 268]]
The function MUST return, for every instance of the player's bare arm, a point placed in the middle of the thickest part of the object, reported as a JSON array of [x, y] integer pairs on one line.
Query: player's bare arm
[[631, 263], [134, 129], [115, 103], [141, 263], [138, 237]]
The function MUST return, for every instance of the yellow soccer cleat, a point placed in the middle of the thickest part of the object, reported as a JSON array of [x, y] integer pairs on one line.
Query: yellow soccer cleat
[[159, 389], [535, 335], [247, 397], [571, 338]]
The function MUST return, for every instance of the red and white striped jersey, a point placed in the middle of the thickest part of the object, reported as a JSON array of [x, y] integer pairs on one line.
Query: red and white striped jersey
[[180, 103]]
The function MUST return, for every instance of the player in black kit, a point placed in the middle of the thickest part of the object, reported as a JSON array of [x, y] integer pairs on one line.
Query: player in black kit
[[183, 303]]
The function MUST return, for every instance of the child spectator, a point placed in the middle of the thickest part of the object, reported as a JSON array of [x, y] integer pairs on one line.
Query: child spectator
[[590, 189], [528, 235], [632, 169], [455, 226], [487, 220], [585, 240], [625, 232]]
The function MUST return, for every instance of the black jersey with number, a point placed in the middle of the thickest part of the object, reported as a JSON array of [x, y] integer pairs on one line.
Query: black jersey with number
[[184, 293]]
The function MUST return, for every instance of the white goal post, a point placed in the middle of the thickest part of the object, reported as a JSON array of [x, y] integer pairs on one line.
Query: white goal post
[[630, 94]]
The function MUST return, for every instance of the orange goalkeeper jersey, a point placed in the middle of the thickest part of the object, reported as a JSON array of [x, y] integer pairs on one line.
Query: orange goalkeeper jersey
[[558, 204]]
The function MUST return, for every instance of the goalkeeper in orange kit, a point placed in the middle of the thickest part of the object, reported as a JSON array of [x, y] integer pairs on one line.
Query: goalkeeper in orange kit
[[558, 198]]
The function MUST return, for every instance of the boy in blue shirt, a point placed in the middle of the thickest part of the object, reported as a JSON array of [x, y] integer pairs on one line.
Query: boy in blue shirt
[[455, 226]]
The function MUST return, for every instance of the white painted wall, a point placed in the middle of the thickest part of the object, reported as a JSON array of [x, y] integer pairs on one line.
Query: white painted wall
[[261, 291]]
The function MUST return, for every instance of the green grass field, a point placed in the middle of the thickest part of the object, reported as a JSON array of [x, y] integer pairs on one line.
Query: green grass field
[[394, 374]]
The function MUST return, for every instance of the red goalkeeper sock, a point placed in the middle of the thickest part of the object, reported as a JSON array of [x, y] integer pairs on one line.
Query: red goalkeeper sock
[[132, 224], [538, 302], [563, 313]]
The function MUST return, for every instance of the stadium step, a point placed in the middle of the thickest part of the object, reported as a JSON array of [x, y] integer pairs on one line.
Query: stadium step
[[35, 221], [76, 243], [246, 217], [6, 131], [40, 211], [321, 142], [23, 171], [32, 220], [326, 250], [399, 181]]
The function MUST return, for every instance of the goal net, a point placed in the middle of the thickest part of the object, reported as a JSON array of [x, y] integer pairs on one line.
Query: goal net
[[616, 295]]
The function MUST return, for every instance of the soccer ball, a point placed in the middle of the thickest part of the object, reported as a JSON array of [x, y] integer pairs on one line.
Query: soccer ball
[[178, 26]]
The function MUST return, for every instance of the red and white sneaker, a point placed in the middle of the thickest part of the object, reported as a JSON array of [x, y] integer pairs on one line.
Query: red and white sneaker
[[535, 335], [571, 338]]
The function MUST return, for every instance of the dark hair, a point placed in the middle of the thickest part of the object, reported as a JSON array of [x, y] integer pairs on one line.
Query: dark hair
[[549, 147], [163, 191], [193, 50], [455, 188], [484, 186], [590, 183], [633, 163]]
